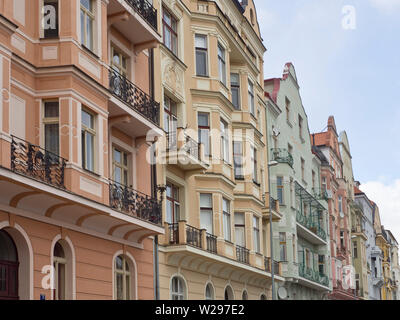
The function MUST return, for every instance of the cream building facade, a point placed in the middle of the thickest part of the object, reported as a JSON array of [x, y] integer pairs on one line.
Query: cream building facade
[[213, 160]]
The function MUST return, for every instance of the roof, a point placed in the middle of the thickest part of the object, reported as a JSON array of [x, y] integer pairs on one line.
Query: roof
[[357, 190], [317, 151]]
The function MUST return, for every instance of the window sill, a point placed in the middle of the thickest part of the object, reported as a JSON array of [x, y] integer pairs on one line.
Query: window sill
[[202, 76], [257, 184], [91, 172], [241, 178], [91, 52], [50, 38]]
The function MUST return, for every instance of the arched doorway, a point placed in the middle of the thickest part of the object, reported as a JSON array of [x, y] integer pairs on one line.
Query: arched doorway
[[9, 264]]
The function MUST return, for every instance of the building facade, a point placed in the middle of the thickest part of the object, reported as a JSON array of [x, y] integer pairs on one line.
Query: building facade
[[210, 74], [394, 264], [339, 217], [301, 240], [78, 208]]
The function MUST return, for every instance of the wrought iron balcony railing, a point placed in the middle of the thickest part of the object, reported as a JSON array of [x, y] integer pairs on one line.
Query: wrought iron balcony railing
[[273, 204], [211, 243], [311, 224], [146, 10], [190, 146], [37, 163], [193, 236], [320, 194], [242, 255], [133, 96], [282, 156], [173, 233], [313, 275], [135, 203]]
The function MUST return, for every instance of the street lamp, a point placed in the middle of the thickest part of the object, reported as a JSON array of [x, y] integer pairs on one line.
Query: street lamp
[[271, 164]]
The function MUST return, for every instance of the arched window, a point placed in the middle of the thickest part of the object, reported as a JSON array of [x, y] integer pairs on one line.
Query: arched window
[[210, 292], [123, 278], [60, 266], [229, 293], [8, 267], [178, 289], [245, 296], [263, 297]]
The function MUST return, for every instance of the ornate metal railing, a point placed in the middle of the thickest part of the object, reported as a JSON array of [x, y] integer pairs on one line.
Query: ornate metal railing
[[320, 194], [173, 233], [242, 255], [37, 163], [282, 156], [267, 264], [310, 224], [192, 147], [273, 204], [146, 10], [172, 141], [134, 97], [275, 265], [193, 236], [211, 243], [313, 275], [135, 203]]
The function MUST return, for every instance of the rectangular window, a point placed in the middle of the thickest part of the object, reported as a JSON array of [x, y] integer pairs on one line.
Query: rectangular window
[[170, 31], [282, 246], [206, 213], [342, 244], [294, 247], [87, 23], [251, 99], [119, 62], [201, 55], [280, 189], [321, 264], [173, 204], [300, 127], [355, 251], [256, 234], [254, 163], [240, 226], [51, 127], [50, 18], [88, 140], [340, 204], [227, 219], [224, 141], [303, 172], [313, 180], [324, 185], [238, 159], [287, 105], [204, 132], [120, 167], [221, 64], [171, 122], [235, 89]]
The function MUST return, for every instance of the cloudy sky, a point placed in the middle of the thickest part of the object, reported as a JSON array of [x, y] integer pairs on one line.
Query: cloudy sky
[[351, 73]]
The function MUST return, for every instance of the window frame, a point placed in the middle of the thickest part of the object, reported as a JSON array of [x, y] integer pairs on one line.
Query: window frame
[[235, 87], [173, 33], [92, 131], [241, 227], [238, 168], [180, 295], [207, 152], [126, 278], [221, 53], [57, 8], [174, 201], [252, 106], [280, 188], [224, 141], [124, 168], [203, 51], [254, 162], [123, 71], [283, 245], [256, 234], [57, 261], [51, 121], [227, 220], [208, 209], [88, 15]]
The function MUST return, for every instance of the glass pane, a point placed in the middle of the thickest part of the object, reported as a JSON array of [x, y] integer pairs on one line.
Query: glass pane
[[8, 252], [235, 97], [119, 284], [126, 266], [128, 288], [82, 27], [203, 120], [201, 41], [51, 109], [61, 282], [87, 119], [206, 217], [117, 156], [201, 63], [51, 137], [240, 236], [116, 59], [117, 175], [89, 33], [239, 218], [119, 263], [89, 152], [177, 212], [59, 251], [206, 201], [167, 38], [169, 212], [234, 79], [87, 4]]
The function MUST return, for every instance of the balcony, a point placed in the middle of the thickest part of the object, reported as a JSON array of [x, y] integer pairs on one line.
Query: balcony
[[341, 252], [272, 207], [135, 203], [320, 194], [269, 264], [242, 255], [184, 152], [127, 97], [138, 15], [309, 228], [282, 156], [37, 163], [343, 288], [313, 275], [211, 243]]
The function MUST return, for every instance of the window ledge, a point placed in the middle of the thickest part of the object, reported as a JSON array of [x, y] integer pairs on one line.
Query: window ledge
[[91, 52]]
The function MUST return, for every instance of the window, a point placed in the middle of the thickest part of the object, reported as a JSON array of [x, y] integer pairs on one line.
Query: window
[[240, 226], [204, 132], [282, 246], [324, 185], [251, 98], [173, 205], [357, 278], [170, 31], [355, 251], [301, 127], [287, 105], [206, 213], [221, 64], [294, 247], [228, 293], [171, 122], [224, 141], [119, 62], [201, 55], [178, 289], [238, 159], [321, 264], [340, 204], [8, 267], [245, 296], [279, 189], [122, 279], [88, 140], [256, 234], [50, 18], [303, 172], [255, 165], [227, 219], [210, 292], [120, 167], [342, 244], [51, 127], [263, 297], [313, 180], [60, 263], [87, 23], [235, 89]]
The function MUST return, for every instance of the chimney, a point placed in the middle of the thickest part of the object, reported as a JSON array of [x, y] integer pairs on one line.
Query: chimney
[[357, 184]]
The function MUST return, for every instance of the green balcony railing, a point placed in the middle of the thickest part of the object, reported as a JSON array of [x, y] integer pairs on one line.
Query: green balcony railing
[[282, 156], [311, 224], [313, 275]]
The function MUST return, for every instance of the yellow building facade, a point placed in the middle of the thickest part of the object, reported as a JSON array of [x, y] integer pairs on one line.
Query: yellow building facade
[[212, 161]]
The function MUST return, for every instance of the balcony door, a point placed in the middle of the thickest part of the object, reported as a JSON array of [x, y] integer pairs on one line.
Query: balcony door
[[171, 122], [120, 167], [8, 268], [119, 64], [173, 204], [240, 233]]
